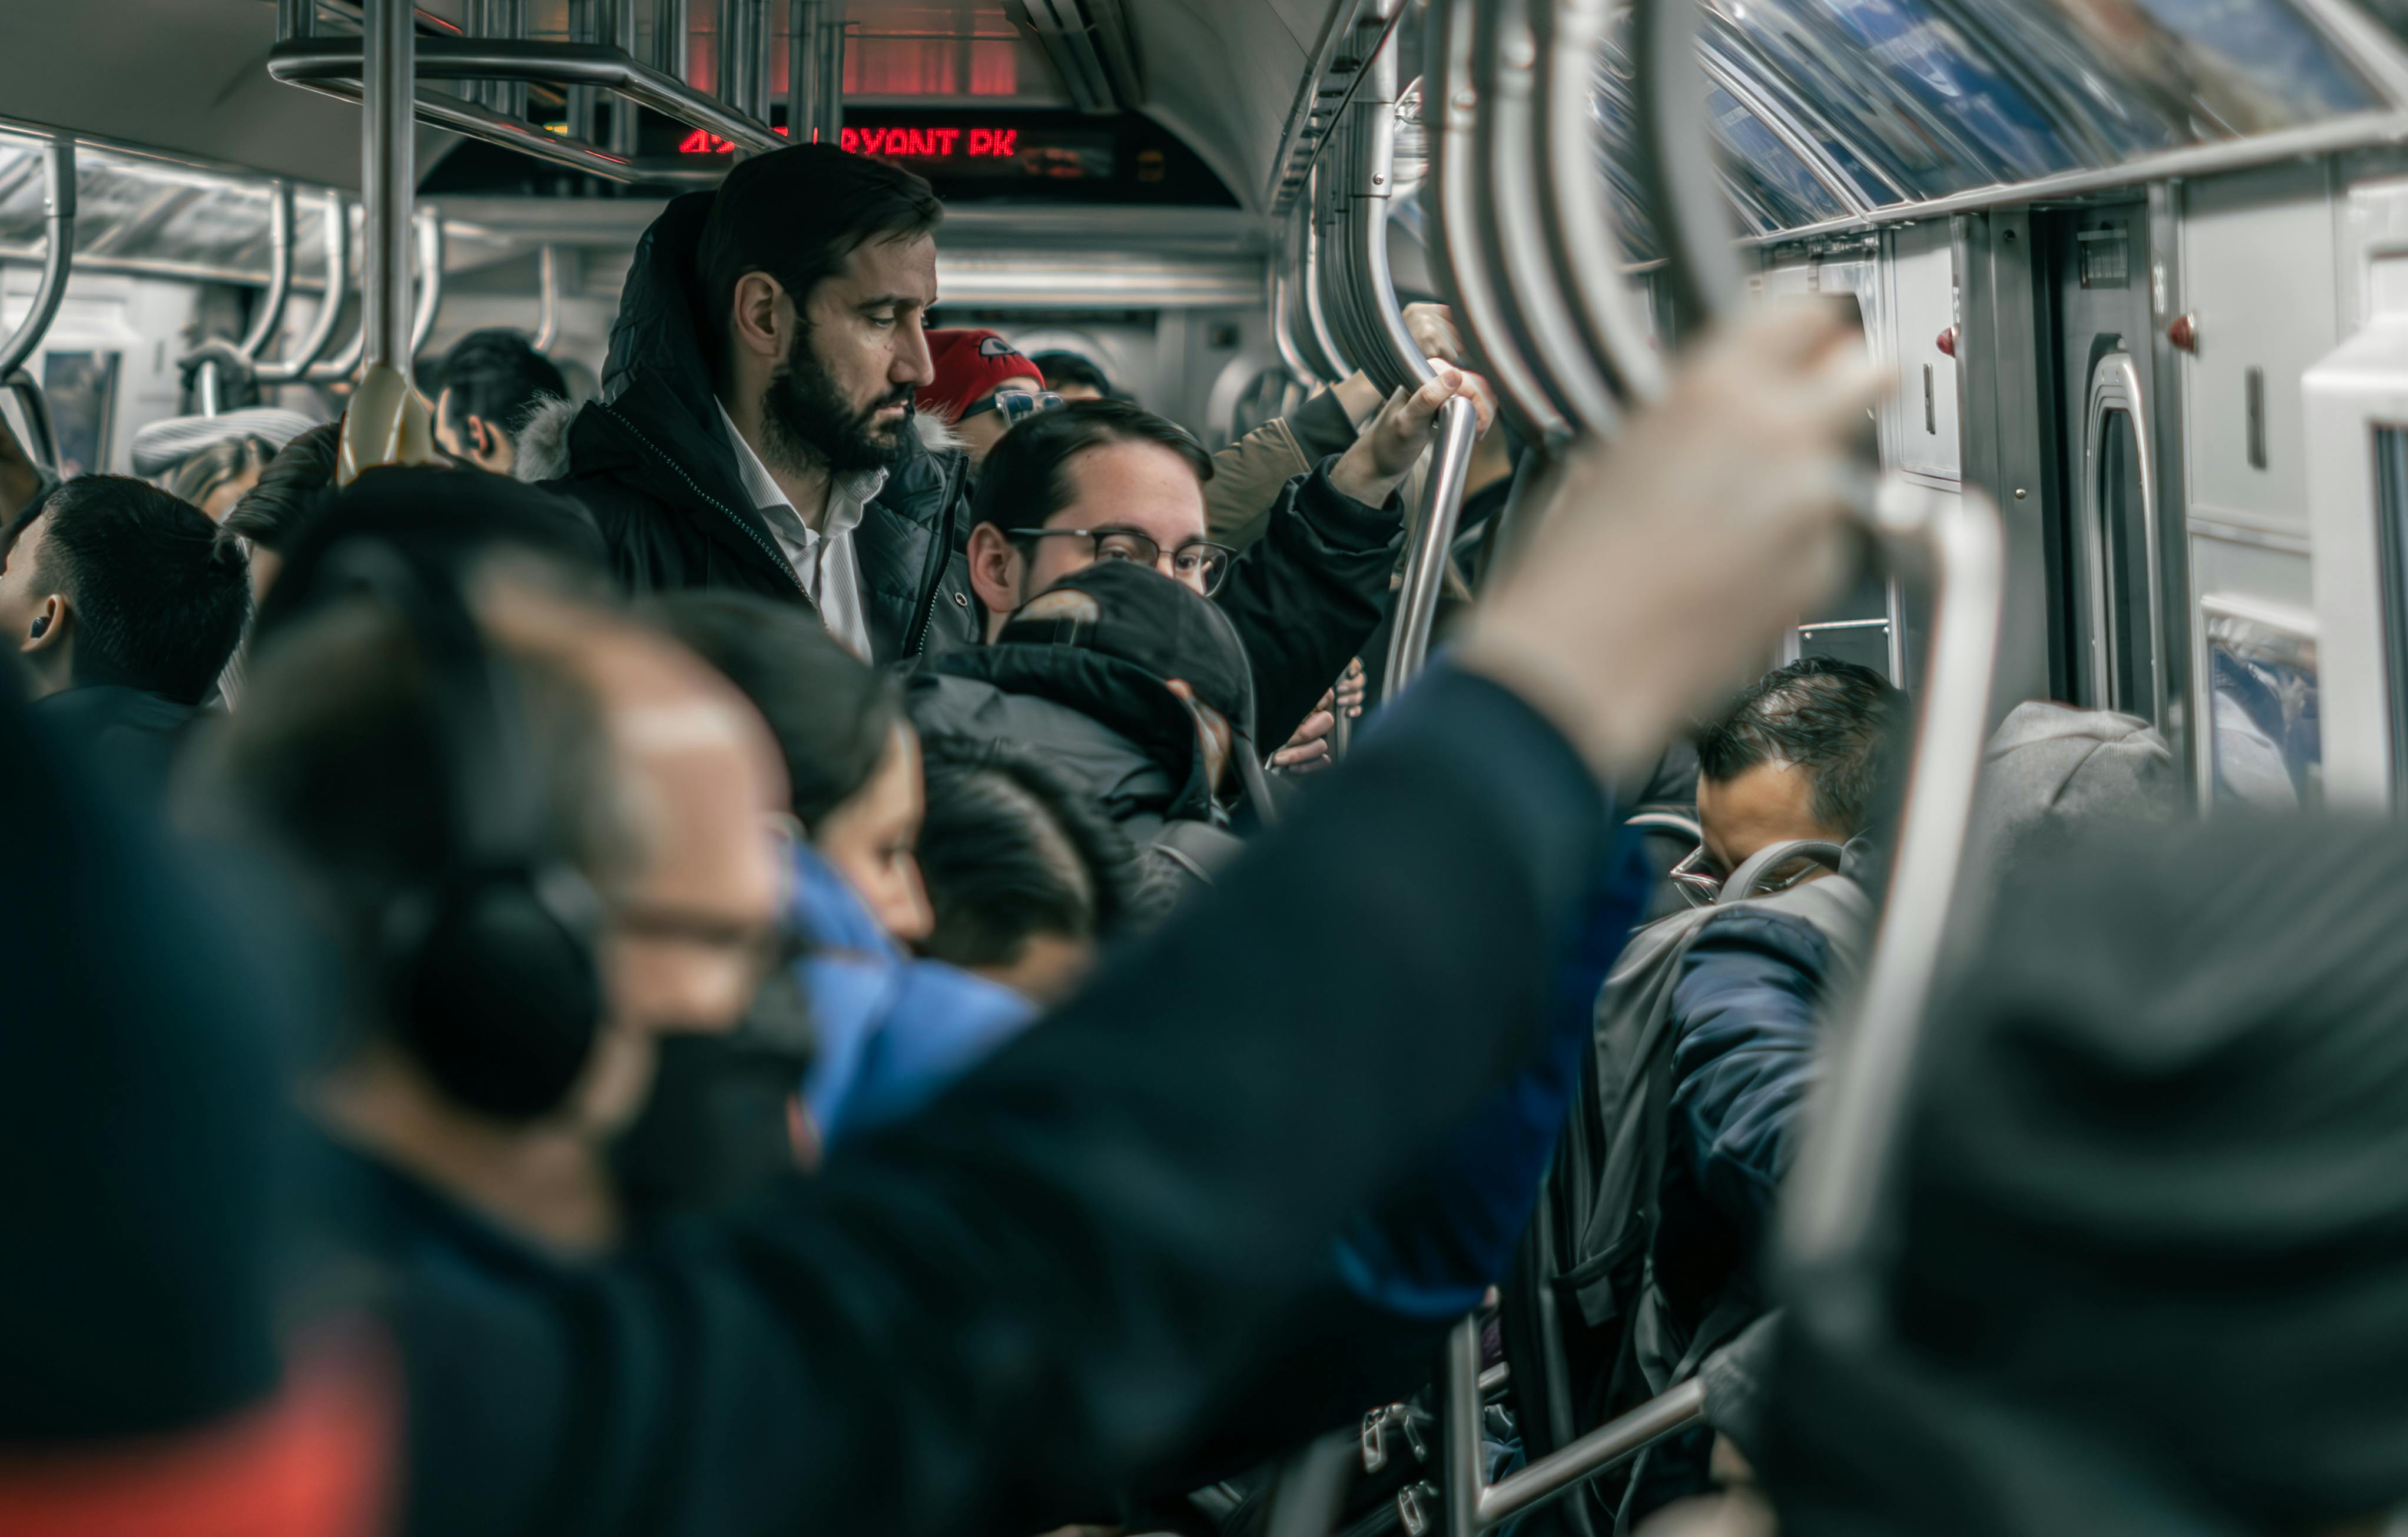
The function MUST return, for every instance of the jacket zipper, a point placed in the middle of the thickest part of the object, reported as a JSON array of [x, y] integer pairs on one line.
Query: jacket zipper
[[750, 532], [944, 557]]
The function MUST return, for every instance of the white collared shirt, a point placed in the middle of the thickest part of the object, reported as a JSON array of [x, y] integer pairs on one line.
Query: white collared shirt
[[823, 558]]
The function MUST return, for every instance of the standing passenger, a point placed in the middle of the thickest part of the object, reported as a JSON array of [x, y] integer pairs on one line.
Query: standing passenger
[[983, 385], [494, 380]]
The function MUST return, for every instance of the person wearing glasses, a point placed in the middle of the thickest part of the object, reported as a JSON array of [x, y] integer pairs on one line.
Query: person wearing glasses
[[1108, 480], [983, 387]]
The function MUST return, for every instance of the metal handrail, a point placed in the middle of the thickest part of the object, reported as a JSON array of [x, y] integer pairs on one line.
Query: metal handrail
[[1284, 330], [346, 362], [1576, 212], [337, 224], [332, 66], [1432, 538], [1299, 283], [1532, 296], [1462, 268], [1392, 358], [57, 257], [430, 281], [270, 314], [547, 299], [35, 408], [1317, 318]]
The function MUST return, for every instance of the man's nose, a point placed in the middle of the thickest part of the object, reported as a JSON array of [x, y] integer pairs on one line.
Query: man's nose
[[912, 364]]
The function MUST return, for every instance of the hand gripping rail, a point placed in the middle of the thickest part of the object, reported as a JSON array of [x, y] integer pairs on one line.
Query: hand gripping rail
[[57, 259], [1832, 1217], [335, 223]]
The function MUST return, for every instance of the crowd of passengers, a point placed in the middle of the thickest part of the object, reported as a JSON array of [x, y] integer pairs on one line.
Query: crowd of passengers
[[771, 953]]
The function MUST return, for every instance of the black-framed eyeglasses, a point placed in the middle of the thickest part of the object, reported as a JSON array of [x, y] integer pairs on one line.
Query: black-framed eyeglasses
[[1015, 405], [1199, 563]]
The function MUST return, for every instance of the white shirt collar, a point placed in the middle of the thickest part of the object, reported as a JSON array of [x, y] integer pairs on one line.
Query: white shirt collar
[[849, 496]]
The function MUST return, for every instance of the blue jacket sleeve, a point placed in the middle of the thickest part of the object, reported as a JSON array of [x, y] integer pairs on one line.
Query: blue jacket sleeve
[[1744, 1013], [1431, 1251]]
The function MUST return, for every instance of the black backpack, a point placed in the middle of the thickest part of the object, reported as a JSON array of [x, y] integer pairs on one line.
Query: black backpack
[[1588, 1329]]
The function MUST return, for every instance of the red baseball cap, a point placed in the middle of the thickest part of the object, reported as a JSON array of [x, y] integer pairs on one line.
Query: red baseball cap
[[968, 364]]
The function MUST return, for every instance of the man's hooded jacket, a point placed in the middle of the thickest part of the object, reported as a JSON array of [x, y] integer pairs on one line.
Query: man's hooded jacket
[[652, 461]]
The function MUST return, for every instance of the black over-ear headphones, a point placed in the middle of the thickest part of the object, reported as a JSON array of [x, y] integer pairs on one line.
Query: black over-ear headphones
[[489, 973]]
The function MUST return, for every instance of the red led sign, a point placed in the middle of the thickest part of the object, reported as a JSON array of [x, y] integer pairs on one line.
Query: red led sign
[[898, 143]]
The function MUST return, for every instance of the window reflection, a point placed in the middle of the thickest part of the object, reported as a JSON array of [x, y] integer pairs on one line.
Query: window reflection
[[1776, 188], [2264, 730]]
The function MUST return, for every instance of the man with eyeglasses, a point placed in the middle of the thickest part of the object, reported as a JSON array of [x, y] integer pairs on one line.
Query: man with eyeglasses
[[1107, 481], [983, 387]]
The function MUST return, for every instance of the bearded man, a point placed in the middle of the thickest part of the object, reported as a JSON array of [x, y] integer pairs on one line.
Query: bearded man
[[755, 429]]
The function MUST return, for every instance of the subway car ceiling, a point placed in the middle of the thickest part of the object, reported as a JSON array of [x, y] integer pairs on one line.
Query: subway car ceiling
[[2114, 249]]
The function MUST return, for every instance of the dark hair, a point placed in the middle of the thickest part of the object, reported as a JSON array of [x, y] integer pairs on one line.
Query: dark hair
[[795, 214], [1008, 851], [833, 715], [1837, 721], [497, 374], [1024, 479], [194, 477], [290, 490], [158, 604], [1060, 369], [336, 759]]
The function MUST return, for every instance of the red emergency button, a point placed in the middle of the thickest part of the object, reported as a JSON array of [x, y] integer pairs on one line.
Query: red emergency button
[[1946, 341], [2183, 332]]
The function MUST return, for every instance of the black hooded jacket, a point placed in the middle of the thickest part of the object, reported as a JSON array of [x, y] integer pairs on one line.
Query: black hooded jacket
[[651, 462]]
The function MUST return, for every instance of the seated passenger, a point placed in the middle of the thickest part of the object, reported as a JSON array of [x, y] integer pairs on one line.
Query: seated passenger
[[757, 431], [982, 385], [494, 380], [1134, 687], [1706, 1041], [2139, 1267], [211, 461], [1025, 878], [1103, 480], [290, 490], [123, 608], [1073, 376]]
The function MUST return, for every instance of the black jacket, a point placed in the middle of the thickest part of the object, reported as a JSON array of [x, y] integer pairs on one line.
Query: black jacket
[[1110, 726], [651, 462], [129, 735], [989, 1317]]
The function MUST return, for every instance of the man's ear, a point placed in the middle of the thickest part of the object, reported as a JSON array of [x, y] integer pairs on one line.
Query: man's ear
[[995, 570], [758, 323], [49, 627], [484, 442]]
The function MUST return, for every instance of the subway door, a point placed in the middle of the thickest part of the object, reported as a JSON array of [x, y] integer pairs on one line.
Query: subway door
[[1861, 624], [2260, 305], [2111, 544], [2356, 401]]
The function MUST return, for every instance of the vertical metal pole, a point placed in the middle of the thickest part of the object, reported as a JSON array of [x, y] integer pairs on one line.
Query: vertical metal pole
[[828, 87], [1429, 544], [388, 178], [618, 31], [672, 29], [804, 18], [584, 26], [744, 55], [295, 19]]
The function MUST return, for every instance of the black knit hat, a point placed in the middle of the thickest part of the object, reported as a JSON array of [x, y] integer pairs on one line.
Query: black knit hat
[[1139, 616]]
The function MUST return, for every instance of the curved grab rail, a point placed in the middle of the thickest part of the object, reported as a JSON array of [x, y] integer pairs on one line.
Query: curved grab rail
[[1532, 296], [1317, 318], [1298, 277], [1393, 359], [547, 299], [43, 446], [57, 259], [1575, 213], [337, 224], [270, 313], [1284, 330], [1460, 264], [346, 363]]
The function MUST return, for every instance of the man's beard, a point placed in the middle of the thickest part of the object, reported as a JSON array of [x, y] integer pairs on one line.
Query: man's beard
[[808, 423]]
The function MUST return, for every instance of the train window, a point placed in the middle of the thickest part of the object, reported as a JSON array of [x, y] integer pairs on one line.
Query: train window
[[2264, 730], [81, 391], [1775, 189], [1903, 87]]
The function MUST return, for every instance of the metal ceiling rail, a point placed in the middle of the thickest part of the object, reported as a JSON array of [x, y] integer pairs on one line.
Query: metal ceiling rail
[[58, 256], [337, 225], [1458, 255], [1356, 29], [1575, 210], [331, 65], [1810, 153], [547, 299], [2355, 131]]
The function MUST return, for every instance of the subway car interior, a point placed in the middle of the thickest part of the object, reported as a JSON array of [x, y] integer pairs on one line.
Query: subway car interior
[[1990, 415]]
